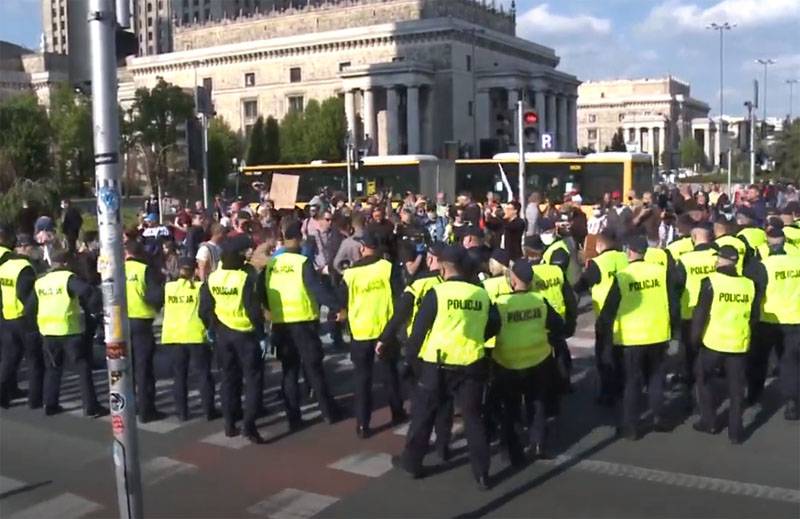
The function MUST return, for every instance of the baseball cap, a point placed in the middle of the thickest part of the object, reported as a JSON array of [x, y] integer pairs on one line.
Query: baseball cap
[[534, 242], [728, 252], [151, 218], [501, 256], [546, 224], [436, 249], [523, 269], [637, 243]]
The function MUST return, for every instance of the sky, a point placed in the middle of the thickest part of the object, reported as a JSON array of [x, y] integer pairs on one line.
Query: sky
[[616, 39]]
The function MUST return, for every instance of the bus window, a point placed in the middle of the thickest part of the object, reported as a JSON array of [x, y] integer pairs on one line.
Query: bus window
[[599, 178], [642, 177]]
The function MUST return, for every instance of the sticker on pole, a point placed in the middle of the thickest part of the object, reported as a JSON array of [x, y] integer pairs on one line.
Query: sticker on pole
[[109, 198], [117, 426], [116, 401]]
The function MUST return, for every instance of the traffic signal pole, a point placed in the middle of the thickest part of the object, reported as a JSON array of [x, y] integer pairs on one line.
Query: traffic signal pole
[[102, 22], [521, 149]]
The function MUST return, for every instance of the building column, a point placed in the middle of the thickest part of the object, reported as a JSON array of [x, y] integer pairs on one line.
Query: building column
[[551, 115], [427, 125], [653, 151], [482, 111], [392, 121], [369, 119], [412, 119], [572, 124], [561, 139], [350, 112], [513, 97], [662, 142], [541, 109]]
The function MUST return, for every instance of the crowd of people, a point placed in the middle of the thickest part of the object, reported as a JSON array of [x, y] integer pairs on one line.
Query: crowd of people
[[472, 302]]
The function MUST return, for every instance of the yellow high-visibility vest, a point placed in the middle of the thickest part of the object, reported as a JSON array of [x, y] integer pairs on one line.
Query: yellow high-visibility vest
[[755, 236], [495, 287], [418, 288], [10, 270], [522, 341], [737, 244], [457, 335], [781, 303], [728, 328], [657, 256], [548, 282], [227, 288], [698, 265], [58, 313], [369, 299], [135, 288], [288, 297], [681, 246], [643, 314], [182, 323], [608, 262]]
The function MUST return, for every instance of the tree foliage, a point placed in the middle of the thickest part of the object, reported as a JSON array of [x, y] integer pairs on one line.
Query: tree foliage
[[257, 144], [691, 153], [292, 138], [40, 194], [272, 140], [317, 133], [25, 139], [787, 151], [71, 122], [223, 145], [156, 115], [618, 142]]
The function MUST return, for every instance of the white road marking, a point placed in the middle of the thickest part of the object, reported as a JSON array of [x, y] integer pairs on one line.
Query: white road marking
[[160, 468], [64, 506], [292, 504], [370, 464], [581, 342]]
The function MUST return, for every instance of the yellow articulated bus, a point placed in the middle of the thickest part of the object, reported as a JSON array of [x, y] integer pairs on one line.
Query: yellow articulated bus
[[592, 175]]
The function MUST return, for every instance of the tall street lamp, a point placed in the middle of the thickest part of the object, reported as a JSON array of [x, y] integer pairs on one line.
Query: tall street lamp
[[791, 83], [721, 27], [766, 63]]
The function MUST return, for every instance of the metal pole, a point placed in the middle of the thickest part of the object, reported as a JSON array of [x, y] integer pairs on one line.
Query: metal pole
[[206, 195], [102, 27], [349, 155], [521, 149], [752, 114]]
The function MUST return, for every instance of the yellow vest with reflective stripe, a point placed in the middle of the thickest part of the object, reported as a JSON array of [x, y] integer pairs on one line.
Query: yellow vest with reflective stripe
[[737, 244], [135, 287], [754, 236], [643, 314], [288, 297], [681, 246], [369, 299], [4, 251], [10, 270], [781, 304], [58, 314], [418, 288], [227, 288], [608, 262], [495, 287], [698, 265], [182, 323], [548, 282], [656, 256], [547, 256], [457, 335], [790, 250], [728, 328], [522, 341], [792, 234]]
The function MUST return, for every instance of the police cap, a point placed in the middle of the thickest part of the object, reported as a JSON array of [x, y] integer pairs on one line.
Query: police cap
[[747, 213], [534, 243], [729, 253], [187, 263], [370, 241], [637, 243], [523, 269], [501, 256], [293, 231]]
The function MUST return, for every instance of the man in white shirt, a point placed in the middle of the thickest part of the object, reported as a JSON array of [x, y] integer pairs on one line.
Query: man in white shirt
[[208, 254]]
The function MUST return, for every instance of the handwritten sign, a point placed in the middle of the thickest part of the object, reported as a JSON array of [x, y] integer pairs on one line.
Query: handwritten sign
[[283, 190]]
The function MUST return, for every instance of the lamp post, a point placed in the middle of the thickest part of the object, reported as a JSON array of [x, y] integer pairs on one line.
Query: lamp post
[[722, 27], [791, 83], [766, 63]]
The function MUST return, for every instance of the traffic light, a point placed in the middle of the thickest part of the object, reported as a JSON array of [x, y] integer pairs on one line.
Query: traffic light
[[530, 126]]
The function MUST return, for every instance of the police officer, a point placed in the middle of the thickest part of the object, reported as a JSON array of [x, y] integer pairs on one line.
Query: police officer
[[752, 235], [290, 289], [18, 335], [778, 277], [405, 310], [727, 309], [556, 250], [145, 295], [791, 227], [57, 300], [634, 314], [498, 283], [598, 278], [549, 280], [774, 225], [724, 234], [185, 333], [368, 293], [454, 320], [691, 268], [659, 257], [524, 366], [683, 242], [230, 309]]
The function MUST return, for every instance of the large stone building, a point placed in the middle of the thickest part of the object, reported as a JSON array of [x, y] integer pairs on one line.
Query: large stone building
[[653, 114], [417, 76], [55, 28], [25, 71]]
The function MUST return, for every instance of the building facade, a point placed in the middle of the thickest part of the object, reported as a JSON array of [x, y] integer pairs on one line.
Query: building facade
[[55, 26], [25, 71], [653, 115], [416, 76]]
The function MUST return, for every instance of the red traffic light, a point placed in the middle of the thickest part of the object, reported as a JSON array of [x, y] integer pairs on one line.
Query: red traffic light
[[530, 117]]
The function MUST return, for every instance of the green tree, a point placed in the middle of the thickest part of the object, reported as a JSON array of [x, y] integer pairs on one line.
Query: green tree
[[331, 130], [223, 145], [24, 140], [71, 122], [691, 153], [312, 116], [272, 140], [292, 139], [787, 151], [618, 142], [157, 113], [256, 145]]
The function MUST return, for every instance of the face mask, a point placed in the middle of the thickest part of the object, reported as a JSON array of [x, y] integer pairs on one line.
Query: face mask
[[597, 213], [548, 238]]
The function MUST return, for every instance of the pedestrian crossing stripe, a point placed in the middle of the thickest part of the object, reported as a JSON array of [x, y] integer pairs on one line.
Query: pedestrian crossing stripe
[[292, 503], [63, 506]]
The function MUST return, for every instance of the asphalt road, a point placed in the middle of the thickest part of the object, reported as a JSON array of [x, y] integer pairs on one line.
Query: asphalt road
[[61, 466]]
